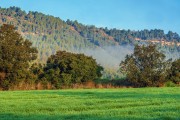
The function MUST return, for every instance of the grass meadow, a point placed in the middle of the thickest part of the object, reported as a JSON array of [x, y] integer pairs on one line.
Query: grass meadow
[[91, 104]]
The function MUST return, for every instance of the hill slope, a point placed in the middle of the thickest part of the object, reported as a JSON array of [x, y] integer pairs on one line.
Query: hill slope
[[50, 34]]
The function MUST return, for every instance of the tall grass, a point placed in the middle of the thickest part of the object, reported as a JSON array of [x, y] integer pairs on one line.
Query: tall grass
[[105, 104]]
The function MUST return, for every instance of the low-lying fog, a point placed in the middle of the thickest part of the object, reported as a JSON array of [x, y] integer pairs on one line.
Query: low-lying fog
[[109, 56]]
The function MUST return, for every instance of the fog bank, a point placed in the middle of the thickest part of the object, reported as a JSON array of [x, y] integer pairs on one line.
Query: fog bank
[[109, 56]]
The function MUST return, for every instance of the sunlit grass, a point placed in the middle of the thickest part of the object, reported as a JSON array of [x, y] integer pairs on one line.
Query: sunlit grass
[[131, 103]]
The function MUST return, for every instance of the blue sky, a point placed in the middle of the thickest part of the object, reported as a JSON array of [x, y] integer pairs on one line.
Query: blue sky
[[121, 14]]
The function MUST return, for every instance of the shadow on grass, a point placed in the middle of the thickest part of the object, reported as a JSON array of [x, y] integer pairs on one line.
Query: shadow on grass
[[111, 95], [10, 116]]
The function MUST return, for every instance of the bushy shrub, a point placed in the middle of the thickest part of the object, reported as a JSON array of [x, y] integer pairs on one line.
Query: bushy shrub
[[170, 84]]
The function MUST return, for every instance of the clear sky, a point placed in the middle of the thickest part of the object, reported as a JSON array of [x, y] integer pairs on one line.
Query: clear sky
[[121, 14]]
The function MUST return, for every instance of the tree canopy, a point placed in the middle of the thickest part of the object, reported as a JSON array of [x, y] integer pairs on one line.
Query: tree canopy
[[65, 69], [145, 67], [175, 71], [15, 55]]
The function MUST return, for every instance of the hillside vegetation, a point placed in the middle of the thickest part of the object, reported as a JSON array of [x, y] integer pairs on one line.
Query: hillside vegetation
[[50, 34], [102, 46]]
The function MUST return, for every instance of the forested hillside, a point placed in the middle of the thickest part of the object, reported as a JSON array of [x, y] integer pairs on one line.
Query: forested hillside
[[50, 34], [46, 32]]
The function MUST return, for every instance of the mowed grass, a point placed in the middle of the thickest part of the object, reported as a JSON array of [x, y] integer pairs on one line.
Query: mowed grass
[[95, 104]]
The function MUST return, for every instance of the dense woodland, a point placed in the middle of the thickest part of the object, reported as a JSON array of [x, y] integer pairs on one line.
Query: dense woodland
[[46, 35]]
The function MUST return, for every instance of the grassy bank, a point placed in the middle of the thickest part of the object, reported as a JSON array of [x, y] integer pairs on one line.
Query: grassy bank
[[126, 103]]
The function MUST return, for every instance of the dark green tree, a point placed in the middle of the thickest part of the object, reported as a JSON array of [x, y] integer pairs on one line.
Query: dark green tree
[[37, 71], [65, 69], [15, 56], [145, 67], [174, 75]]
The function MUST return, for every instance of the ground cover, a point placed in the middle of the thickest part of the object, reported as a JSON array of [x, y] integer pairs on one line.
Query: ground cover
[[105, 104]]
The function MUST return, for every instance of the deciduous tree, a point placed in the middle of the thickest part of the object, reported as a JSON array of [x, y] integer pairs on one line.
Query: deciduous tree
[[174, 75], [145, 67], [65, 69], [15, 55]]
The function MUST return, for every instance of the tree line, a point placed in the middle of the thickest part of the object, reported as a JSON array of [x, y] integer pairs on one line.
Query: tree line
[[145, 67], [17, 64]]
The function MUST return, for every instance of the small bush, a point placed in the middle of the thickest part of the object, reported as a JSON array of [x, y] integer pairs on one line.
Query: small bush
[[170, 84]]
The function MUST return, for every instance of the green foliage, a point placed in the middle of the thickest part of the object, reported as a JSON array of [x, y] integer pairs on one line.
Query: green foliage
[[174, 75], [65, 69], [128, 36], [37, 71], [170, 84], [15, 55], [93, 34], [50, 34], [145, 67], [46, 32], [92, 104]]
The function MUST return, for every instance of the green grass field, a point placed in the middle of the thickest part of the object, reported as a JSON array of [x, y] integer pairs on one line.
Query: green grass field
[[105, 104]]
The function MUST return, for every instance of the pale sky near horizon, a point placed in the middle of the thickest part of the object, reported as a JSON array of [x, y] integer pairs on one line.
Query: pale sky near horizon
[[121, 14]]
